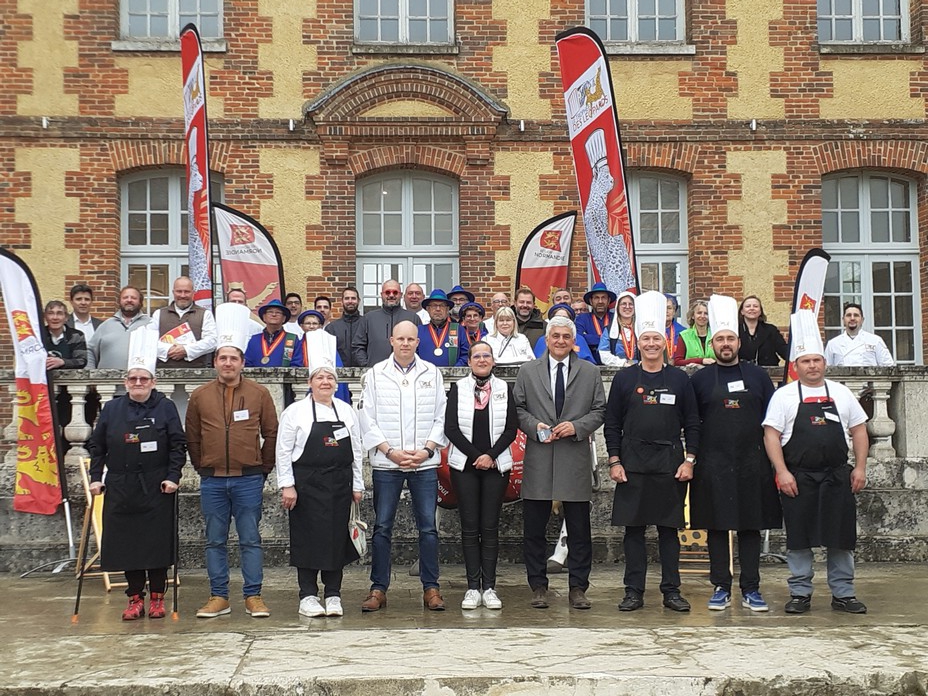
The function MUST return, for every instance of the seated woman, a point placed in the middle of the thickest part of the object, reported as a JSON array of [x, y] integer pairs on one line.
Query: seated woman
[[761, 343], [509, 346], [481, 422], [471, 329], [695, 345], [581, 348]]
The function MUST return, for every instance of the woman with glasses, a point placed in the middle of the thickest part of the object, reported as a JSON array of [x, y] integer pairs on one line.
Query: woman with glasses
[[481, 422], [509, 346], [471, 329], [320, 347], [138, 438]]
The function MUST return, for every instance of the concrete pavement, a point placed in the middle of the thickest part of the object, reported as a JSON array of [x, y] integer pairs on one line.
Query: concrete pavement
[[407, 650]]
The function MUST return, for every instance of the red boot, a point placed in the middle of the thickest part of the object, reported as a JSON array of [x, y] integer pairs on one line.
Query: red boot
[[156, 607], [136, 608]]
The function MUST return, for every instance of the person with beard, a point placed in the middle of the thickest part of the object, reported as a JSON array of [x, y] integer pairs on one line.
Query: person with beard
[[372, 340], [459, 297], [855, 347], [531, 323], [592, 326], [346, 326], [108, 349], [648, 407], [438, 340], [733, 486]]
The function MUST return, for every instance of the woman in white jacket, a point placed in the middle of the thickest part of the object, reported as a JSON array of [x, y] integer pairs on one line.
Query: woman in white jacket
[[509, 346], [481, 422]]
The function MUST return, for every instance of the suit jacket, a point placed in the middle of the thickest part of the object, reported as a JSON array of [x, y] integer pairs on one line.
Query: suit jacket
[[93, 321], [562, 469]]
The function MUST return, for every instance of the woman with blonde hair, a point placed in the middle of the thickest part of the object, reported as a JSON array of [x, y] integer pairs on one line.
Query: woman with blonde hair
[[509, 346], [695, 344]]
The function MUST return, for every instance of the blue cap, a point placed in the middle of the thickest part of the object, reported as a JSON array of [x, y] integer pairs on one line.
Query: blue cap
[[311, 313], [570, 310], [472, 305]]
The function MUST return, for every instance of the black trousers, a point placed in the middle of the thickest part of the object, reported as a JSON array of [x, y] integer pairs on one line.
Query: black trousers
[[309, 586], [535, 515], [480, 498], [636, 559], [748, 559], [157, 581]]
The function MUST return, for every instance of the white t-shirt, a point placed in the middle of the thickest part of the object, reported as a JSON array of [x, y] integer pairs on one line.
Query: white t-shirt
[[781, 412], [863, 350]]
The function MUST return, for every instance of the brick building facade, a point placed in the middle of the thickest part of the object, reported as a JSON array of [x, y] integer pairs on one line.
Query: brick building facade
[[426, 139]]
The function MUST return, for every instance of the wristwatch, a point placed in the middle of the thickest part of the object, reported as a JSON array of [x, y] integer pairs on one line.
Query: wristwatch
[[430, 452], [691, 459]]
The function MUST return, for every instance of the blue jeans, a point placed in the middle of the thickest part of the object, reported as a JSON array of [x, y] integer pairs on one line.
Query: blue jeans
[[221, 498], [840, 566], [423, 487]]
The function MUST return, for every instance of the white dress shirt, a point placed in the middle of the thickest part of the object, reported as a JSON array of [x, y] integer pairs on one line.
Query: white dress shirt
[[552, 369], [209, 336]]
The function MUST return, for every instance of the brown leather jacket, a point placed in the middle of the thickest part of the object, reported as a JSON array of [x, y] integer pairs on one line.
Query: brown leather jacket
[[224, 437]]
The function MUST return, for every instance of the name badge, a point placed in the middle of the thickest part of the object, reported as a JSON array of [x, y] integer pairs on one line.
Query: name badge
[[737, 385], [340, 433], [149, 447], [832, 416], [669, 399], [240, 415]]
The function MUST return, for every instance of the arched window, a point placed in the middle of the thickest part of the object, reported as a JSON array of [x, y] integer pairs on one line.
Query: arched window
[[154, 232], [407, 230], [658, 203], [870, 228]]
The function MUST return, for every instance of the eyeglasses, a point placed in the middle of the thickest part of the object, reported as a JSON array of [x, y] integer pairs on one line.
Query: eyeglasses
[[138, 380], [391, 293], [311, 324], [500, 302], [482, 356]]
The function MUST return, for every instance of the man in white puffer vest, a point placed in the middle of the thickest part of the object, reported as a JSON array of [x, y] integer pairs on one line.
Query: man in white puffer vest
[[402, 418]]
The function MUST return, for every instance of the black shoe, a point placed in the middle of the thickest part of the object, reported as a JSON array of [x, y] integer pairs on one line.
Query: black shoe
[[540, 598], [631, 602], [578, 599], [851, 605], [798, 605], [675, 602]]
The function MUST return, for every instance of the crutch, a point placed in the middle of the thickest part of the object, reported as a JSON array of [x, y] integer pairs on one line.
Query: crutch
[[85, 542], [174, 614]]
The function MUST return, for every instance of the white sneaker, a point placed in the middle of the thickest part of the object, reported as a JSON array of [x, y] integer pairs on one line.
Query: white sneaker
[[472, 599], [310, 606], [490, 600], [333, 606]]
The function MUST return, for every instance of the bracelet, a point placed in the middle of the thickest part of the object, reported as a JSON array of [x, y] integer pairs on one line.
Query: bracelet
[[612, 464], [389, 452]]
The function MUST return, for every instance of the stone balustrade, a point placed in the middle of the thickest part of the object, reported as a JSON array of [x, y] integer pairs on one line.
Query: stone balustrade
[[893, 524]]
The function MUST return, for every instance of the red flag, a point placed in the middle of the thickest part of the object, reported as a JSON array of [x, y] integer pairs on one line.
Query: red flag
[[545, 258], [593, 124], [810, 287], [197, 148], [38, 482], [248, 256]]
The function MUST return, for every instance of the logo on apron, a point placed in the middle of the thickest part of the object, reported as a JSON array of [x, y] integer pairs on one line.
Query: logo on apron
[[131, 438], [329, 441], [731, 403], [817, 420], [649, 399]]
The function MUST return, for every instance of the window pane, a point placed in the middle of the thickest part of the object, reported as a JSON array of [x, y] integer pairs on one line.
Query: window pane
[[667, 7], [891, 7], [421, 194], [649, 228], [597, 7], [670, 193], [904, 314], [905, 345], [390, 8], [892, 30], [879, 227], [667, 29], [392, 193], [832, 309], [389, 30], [443, 230], [646, 7], [901, 231], [159, 230], [650, 278], [619, 29], [881, 278], [647, 30], [367, 30], [871, 30], [599, 28], [830, 193], [832, 284], [670, 229], [370, 232], [850, 232], [418, 31], [648, 193], [619, 8], [443, 196], [882, 311], [824, 30], [422, 230], [848, 191], [138, 230], [418, 8], [439, 30], [902, 276], [368, 7], [370, 197], [900, 194], [844, 29], [842, 7], [393, 230], [438, 9], [879, 192], [138, 275], [829, 227], [871, 7], [159, 26]]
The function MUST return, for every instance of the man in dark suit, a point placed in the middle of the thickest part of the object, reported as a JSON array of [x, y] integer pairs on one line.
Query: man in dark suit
[[561, 402], [80, 319]]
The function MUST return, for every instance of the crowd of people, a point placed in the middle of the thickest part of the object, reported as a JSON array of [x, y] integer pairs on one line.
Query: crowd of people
[[751, 458]]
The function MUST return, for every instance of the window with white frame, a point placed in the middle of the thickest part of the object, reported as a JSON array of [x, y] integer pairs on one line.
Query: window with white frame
[[407, 226], [636, 21], [863, 21], [869, 226], [658, 203], [154, 221], [163, 19], [404, 21]]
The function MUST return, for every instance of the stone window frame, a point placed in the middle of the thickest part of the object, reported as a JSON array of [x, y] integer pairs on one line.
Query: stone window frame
[[633, 45], [403, 44], [171, 40], [865, 254]]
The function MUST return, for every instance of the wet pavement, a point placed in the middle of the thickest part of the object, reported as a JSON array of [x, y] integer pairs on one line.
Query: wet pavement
[[405, 649]]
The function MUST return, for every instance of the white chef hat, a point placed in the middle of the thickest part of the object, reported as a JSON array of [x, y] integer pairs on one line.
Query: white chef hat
[[650, 313], [233, 325], [804, 336], [318, 352], [143, 350], [723, 314], [596, 147]]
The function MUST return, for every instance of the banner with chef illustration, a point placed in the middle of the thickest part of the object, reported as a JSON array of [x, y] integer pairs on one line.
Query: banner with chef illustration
[[248, 256], [196, 148], [38, 482], [807, 294], [545, 258], [593, 125]]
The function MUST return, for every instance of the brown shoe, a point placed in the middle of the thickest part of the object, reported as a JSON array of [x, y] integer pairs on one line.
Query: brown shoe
[[216, 606], [255, 606], [376, 600], [540, 598], [431, 600], [578, 600]]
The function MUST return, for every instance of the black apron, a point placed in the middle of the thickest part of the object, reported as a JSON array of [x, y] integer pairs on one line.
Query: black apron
[[322, 478], [651, 454], [138, 519], [733, 485], [824, 512]]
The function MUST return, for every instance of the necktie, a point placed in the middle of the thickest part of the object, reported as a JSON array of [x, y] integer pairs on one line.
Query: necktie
[[559, 390]]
